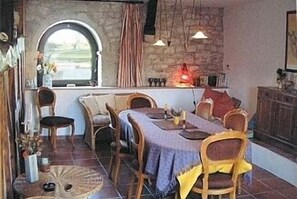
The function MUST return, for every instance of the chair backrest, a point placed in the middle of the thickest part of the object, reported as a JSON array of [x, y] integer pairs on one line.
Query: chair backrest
[[138, 142], [204, 109], [46, 97], [236, 119], [223, 148], [115, 125], [141, 100]]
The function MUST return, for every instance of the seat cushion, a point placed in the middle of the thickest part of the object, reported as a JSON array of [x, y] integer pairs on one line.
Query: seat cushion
[[100, 119], [216, 181], [124, 147], [56, 121]]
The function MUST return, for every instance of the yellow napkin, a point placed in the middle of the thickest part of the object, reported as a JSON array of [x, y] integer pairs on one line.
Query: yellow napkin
[[188, 179]]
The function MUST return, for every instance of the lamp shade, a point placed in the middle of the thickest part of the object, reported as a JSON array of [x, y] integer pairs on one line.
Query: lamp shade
[[159, 43], [199, 35]]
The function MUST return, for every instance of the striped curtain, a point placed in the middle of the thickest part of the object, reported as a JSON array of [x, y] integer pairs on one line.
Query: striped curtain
[[131, 48]]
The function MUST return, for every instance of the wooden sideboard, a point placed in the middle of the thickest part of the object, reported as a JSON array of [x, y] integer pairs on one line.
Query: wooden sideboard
[[277, 117]]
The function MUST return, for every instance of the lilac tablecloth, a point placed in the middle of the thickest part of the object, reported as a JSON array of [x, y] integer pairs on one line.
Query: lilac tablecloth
[[169, 154]]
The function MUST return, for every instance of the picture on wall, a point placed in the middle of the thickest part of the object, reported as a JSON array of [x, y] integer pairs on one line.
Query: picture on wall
[[291, 42]]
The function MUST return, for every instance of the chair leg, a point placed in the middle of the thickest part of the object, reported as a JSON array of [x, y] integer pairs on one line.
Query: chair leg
[[54, 137], [239, 184], [233, 195], [110, 166], [204, 195], [72, 134], [117, 168], [131, 186], [139, 187]]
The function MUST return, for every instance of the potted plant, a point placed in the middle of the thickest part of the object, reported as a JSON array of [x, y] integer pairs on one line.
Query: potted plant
[[30, 147], [176, 115]]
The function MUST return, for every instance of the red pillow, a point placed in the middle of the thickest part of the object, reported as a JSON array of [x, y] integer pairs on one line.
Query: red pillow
[[223, 105], [209, 93]]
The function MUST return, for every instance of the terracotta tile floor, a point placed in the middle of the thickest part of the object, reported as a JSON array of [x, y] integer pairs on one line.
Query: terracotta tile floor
[[264, 185]]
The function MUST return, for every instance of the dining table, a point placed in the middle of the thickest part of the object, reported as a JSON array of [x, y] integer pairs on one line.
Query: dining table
[[173, 150]]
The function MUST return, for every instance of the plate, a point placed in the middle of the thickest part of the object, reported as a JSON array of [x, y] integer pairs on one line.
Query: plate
[[194, 135]]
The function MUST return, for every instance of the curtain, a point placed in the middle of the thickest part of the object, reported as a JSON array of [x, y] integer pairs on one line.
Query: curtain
[[131, 48]]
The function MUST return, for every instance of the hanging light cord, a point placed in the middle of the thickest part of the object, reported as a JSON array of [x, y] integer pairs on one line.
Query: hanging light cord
[[165, 11], [193, 13], [160, 23], [173, 18], [183, 22], [199, 13]]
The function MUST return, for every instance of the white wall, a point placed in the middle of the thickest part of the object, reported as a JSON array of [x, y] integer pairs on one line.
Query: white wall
[[67, 101], [254, 46]]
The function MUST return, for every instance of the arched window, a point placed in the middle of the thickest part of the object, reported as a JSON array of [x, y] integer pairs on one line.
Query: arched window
[[75, 52]]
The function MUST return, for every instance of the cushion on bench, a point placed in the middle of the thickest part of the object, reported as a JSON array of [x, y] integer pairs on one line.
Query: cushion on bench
[[222, 102]]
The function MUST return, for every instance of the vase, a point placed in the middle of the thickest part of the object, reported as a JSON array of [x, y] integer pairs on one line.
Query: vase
[[31, 168], [47, 80], [176, 120]]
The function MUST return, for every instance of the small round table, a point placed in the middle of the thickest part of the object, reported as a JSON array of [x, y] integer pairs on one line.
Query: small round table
[[84, 181]]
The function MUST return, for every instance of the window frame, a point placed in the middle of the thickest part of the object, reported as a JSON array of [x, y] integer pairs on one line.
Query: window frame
[[94, 49]]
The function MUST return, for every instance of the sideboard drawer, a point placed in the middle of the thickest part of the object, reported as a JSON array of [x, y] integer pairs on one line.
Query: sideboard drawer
[[266, 94], [289, 99]]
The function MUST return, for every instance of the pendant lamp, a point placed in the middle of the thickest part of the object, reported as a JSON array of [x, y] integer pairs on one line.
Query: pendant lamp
[[159, 42], [199, 34]]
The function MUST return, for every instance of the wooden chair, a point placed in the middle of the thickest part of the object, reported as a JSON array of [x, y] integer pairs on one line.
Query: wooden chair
[[236, 119], [46, 97], [222, 148], [140, 100], [204, 109], [119, 148], [138, 164]]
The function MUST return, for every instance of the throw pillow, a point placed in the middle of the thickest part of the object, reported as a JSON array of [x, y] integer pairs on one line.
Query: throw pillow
[[213, 94], [102, 99], [121, 102], [91, 103], [223, 105]]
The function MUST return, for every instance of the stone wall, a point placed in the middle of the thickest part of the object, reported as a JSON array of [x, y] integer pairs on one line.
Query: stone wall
[[106, 19]]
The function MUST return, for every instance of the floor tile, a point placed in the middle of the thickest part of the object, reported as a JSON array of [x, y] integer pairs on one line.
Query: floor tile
[[263, 185]]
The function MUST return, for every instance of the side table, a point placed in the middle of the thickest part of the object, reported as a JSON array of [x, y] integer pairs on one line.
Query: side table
[[84, 181]]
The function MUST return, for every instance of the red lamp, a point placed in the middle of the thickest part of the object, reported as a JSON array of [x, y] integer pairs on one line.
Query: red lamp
[[185, 77]]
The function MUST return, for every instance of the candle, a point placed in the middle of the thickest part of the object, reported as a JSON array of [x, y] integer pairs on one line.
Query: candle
[[184, 115], [44, 161]]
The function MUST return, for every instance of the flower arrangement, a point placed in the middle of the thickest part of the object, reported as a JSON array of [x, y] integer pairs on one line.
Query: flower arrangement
[[45, 67], [176, 113], [30, 144]]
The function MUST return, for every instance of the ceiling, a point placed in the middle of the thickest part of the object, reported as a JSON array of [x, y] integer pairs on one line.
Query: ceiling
[[204, 3], [216, 3]]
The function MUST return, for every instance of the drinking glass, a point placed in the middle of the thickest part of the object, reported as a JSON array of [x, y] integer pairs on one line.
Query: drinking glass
[[164, 80], [156, 81], [150, 80]]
